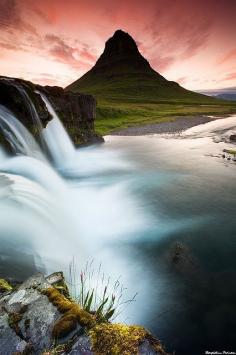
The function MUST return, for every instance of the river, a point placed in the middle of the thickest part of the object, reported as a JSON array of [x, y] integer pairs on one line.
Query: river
[[158, 213]]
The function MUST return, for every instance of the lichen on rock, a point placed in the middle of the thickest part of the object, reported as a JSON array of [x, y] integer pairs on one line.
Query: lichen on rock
[[5, 286], [116, 339]]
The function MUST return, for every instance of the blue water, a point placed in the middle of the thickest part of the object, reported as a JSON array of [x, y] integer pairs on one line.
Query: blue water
[[187, 300], [158, 211]]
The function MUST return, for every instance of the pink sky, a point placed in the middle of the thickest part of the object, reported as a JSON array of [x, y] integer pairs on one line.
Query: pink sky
[[55, 41]]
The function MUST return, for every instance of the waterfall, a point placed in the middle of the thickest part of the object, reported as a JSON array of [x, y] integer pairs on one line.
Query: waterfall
[[21, 141], [29, 104], [56, 138], [54, 219]]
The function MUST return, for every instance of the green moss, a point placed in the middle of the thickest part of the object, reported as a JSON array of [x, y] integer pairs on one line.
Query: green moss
[[106, 338], [62, 287], [5, 286], [72, 314], [57, 350], [230, 151], [117, 339]]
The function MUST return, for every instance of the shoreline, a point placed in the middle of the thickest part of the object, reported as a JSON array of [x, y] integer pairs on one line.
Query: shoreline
[[180, 124]]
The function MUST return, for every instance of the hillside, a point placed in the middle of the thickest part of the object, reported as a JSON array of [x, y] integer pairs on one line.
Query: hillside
[[130, 92]]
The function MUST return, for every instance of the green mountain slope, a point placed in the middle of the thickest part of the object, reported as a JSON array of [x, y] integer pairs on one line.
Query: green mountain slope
[[130, 92]]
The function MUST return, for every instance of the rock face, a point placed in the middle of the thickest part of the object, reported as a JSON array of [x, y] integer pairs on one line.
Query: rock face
[[28, 317], [76, 111]]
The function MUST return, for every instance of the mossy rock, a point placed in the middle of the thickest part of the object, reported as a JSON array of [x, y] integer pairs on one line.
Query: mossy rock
[[106, 338], [5, 286], [117, 339], [72, 314]]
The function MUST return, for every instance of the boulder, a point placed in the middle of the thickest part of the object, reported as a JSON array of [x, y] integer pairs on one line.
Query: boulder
[[30, 314], [27, 318]]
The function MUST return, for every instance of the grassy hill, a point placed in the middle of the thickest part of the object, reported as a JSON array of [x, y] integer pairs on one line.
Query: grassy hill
[[129, 92]]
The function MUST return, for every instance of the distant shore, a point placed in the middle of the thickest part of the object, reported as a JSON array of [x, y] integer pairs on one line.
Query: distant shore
[[180, 124]]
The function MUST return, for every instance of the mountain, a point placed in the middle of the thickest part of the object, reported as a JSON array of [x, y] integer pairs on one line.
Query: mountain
[[224, 93], [122, 72], [130, 92]]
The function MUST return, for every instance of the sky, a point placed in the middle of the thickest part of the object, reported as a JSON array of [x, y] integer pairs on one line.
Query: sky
[[54, 42]]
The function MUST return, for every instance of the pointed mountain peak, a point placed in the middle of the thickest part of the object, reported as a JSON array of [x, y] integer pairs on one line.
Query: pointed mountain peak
[[122, 40], [121, 47]]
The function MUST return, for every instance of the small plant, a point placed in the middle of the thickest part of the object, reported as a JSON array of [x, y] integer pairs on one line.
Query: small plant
[[96, 294]]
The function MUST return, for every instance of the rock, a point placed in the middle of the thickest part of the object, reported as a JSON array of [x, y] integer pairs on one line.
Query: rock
[[232, 138], [146, 348], [182, 259], [30, 314], [82, 346], [27, 317], [9, 341], [5, 286], [76, 111]]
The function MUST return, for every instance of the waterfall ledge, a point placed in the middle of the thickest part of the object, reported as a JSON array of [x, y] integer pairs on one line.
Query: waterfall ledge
[[76, 111]]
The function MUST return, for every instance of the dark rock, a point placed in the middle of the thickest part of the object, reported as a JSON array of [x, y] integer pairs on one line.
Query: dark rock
[[76, 111], [232, 138], [182, 259]]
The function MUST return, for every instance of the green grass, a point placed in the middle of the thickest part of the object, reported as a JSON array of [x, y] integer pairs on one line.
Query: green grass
[[115, 116], [129, 97]]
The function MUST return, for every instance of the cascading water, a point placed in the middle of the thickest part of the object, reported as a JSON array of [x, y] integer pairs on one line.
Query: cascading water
[[56, 138], [29, 104], [60, 219], [166, 224], [18, 136]]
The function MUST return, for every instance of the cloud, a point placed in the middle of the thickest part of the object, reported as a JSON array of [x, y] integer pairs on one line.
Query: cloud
[[178, 29], [182, 80], [63, 52], [230, 76], [11, 19], [179, 38], [231, 55], [162, 63], [8, 46], [86, 55]]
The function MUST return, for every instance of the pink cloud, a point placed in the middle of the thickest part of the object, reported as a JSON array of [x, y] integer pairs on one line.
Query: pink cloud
[[8, 46], [230, 76], [11, 18], [182, 80], [229, 56], [171, 34], [66, 54]]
